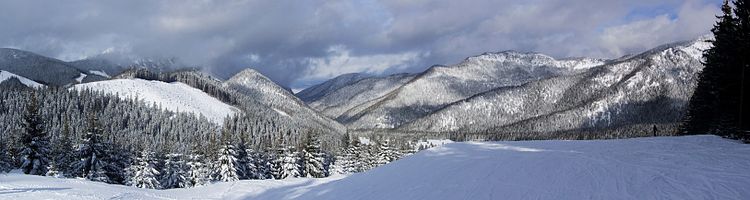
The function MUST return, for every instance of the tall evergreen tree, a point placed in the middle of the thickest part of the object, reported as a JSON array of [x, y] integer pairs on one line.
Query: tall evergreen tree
[[313, 158], [34, 139], [62, 149], [93, 154], [716, 104], [198, 172], [290, 165], [174, 172], [387, 153], [143, 173], [742, 13], [226, 163], [6, 162]]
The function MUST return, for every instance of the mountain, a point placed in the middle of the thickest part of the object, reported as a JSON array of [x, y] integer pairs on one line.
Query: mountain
[[7, 76], [442, 85], [650, 88], [175, 97], [349, 94], [512, 92], [42, 69], [316, 92], [261, 89]]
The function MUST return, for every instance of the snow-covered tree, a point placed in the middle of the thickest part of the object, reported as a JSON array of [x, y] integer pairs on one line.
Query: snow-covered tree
[[386, 153], [198, 173], [62, 149], [251, 164], [290, 165], [93, 154], [174, 172], [263, 163], [6, 162], [313, 159], [226, 164], [35, 152], [143, 173]]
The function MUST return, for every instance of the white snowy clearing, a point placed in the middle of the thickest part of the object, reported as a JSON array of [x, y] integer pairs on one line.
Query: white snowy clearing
[[176, 97], [4, 75], [690, 167]]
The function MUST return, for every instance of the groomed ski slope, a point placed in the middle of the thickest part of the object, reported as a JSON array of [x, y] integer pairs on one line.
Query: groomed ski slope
[[176, 97], [690, 167]]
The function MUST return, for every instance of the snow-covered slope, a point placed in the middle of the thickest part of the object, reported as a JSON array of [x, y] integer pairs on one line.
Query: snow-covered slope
[[176, 97], [650, 88], [358, 93], [441, 85], [29, 83], [266, 92], [690, 167], [316, 92]]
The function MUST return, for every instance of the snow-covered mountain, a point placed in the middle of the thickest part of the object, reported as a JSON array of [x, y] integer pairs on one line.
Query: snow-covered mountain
[[650, 88], [442, 85], [42, 69], [23, 80], [348, 95], [260, 88], [316, 92], [508, 91], [175, 97]]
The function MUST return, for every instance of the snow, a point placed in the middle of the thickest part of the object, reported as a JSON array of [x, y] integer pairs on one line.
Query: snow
[[81, 77], [4, 75], [176, 97], [100, 73], [689, 167]]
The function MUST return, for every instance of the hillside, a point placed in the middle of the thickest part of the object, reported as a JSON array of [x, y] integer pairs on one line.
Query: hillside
[[651, 88], [690, 167], [176, 97]]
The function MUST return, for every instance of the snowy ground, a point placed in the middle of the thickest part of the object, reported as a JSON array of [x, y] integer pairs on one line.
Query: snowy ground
[[693, 167], [176, 97], [4, 75]]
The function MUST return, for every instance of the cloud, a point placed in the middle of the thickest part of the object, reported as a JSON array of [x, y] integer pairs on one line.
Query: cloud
[[297, 43], [340, 61]]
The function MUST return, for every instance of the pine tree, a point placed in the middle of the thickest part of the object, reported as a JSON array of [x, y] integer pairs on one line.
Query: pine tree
[[174, 172], [290, 165], [313, 158], [6, 162], [35, 150], [386, 153], [143, 173], [198, 173], [93, 154], [226, 164], [742, 13], [712, 108], [61, 150]]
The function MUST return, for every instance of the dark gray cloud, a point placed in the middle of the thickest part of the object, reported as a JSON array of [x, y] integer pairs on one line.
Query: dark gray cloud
[[298, 43]]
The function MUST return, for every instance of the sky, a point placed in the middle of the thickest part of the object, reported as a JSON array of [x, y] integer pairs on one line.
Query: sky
[[301, 43]]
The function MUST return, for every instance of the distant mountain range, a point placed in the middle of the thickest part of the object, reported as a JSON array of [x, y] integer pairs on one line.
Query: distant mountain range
[[502, 92], [510, 92]]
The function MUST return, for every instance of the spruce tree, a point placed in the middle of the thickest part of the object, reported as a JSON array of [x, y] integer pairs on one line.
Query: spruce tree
[[34, 139], [174, 172], [290, 165], [93, 154], [313, 158], [386, 153], [226, 166], [62, 149], [143, 173], [6, 162], [742, 13], [715, 103], [198, 172]]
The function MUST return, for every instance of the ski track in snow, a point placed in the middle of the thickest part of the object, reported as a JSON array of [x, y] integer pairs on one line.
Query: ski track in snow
[[689, 167]]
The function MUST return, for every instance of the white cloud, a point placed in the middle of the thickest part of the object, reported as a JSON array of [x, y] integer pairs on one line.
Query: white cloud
[[340, 61]]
